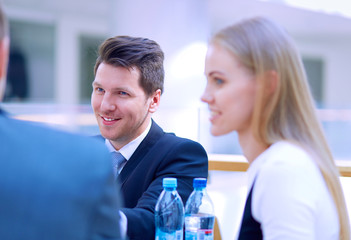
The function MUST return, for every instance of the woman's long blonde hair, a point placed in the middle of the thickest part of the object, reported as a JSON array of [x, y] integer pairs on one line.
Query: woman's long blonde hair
[[288, 113]]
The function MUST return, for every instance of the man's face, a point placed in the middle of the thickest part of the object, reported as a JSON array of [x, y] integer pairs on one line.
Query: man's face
[[121, 107]]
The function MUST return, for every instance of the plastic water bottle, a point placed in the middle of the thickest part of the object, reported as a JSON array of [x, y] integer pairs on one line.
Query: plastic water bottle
[[199, 213], [169, 212]]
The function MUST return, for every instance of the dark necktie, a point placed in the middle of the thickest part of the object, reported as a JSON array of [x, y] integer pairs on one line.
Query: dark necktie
[[117, 162]]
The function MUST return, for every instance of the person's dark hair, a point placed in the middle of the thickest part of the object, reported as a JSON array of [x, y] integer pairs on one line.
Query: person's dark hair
[[142, 53], [3, 24]]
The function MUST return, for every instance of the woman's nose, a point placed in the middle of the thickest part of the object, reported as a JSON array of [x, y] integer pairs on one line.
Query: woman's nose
[[206, 96]]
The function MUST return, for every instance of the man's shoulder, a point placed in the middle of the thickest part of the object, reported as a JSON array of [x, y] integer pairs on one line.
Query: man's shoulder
[[68, 154], [169, 136], [171, 139], [173, 144], [35, 133], [98, 137]]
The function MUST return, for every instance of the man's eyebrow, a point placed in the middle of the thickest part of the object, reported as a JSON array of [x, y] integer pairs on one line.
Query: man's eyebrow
[[95, 83]]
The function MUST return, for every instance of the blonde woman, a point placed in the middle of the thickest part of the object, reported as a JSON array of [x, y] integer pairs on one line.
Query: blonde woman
[[256, 86]]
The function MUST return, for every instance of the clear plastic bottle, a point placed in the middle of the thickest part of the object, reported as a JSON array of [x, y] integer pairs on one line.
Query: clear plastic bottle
[[199, 213], [169, 212]]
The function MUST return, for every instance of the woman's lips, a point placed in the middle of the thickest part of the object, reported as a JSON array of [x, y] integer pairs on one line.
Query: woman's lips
[[213, 115]]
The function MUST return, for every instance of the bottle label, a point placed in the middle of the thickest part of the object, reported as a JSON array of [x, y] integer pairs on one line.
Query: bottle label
[[177, 235], [200, 234]]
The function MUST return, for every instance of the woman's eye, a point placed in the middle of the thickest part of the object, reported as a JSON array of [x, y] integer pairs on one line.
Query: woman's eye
[[218, 81]]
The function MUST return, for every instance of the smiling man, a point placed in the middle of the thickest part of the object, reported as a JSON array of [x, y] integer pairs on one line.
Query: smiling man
[[127, 89]]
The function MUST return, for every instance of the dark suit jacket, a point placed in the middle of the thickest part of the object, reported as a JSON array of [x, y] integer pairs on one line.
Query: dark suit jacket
[[54, 185], [158, 156]]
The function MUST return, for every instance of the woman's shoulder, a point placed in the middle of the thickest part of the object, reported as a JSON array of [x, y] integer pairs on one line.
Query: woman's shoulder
[[288, 153], [285, 159]]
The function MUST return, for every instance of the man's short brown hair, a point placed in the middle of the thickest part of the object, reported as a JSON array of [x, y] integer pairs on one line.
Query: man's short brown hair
[[141, 53]]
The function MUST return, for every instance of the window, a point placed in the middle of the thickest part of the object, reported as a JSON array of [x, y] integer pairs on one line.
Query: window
[[88, 53], [314, 70], [31, 75]]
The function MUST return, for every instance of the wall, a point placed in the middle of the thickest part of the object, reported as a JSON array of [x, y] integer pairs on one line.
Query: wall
[[69, 20], [182, 28]]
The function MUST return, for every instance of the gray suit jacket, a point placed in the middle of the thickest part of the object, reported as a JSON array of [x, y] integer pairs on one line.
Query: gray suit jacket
[[54, 185]]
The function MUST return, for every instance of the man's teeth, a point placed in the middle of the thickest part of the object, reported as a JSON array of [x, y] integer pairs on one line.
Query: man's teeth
[[108, 119]]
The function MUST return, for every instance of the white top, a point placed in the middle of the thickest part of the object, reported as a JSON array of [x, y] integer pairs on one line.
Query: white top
[[290, 198]]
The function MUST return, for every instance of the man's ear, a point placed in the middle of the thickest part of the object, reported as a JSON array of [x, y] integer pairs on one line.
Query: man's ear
[[155, 101], [4, 56]]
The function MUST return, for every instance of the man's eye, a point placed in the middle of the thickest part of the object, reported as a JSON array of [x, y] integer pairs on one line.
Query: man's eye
[[123, 93], [99, 90]]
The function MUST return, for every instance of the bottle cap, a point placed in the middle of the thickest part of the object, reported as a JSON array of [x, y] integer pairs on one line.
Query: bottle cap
[[199, 182], [169, 182]]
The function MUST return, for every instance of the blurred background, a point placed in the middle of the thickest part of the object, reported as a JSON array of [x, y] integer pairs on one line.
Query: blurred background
[[54, 46]]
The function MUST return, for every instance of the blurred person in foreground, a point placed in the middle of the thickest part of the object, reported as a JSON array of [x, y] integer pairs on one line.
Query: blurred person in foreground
[[53, 185], [127, 90], [256, 85]]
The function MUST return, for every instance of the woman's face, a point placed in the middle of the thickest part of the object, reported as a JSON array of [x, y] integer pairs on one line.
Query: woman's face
[[230, 92]]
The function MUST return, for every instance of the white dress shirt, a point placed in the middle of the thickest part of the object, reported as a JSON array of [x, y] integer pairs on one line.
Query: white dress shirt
[[128, 150]]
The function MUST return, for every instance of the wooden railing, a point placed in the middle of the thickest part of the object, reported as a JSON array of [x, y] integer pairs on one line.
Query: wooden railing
[[231, 162]]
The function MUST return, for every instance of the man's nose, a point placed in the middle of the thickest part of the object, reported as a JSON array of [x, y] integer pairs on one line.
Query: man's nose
[[108, 103]]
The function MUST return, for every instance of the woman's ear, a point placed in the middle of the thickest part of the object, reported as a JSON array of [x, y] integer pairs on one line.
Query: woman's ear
[[155, 101], [272, 80]]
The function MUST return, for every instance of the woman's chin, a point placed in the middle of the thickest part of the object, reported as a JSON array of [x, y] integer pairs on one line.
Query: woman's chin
[[217, 132]]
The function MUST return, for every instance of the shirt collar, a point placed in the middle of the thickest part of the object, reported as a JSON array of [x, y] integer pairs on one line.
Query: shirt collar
[[128, 150]]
